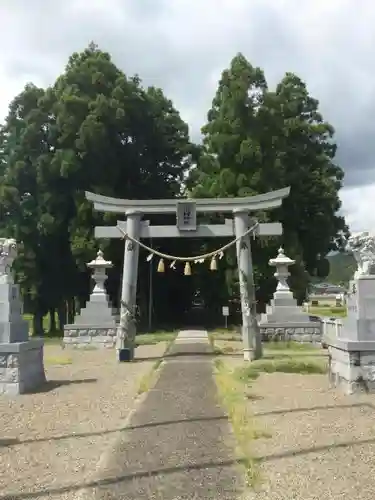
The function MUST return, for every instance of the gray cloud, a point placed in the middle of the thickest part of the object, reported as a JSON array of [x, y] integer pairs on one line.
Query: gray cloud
[[182, 46]]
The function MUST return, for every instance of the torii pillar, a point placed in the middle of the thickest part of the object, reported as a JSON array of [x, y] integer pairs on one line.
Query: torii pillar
[[127, 327], [252, 342]]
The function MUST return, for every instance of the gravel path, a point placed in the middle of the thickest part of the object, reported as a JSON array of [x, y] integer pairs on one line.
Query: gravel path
[[178, 445], [52, 440], [322, 443]]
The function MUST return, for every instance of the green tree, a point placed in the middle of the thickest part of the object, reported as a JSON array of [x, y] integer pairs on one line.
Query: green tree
[[255, 141], [307, 164], [95, 129], [342, 269], [25, 198]]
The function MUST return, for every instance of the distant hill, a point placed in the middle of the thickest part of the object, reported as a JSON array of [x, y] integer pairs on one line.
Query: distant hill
[[342, 268]]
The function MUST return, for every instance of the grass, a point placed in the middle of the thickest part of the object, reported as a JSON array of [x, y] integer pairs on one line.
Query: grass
[[52, 340], [331, 312], [289, 346], [282, 365], [233, 392], [155, 338], [46, 325], [57, 360], [229, 337], [141, 339], [232, 397]]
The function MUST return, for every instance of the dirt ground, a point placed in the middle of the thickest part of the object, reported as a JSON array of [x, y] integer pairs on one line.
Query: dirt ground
[[318, 444], [50, 442]]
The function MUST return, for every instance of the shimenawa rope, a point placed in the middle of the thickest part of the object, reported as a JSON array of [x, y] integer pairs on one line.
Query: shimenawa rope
[[189, 259]]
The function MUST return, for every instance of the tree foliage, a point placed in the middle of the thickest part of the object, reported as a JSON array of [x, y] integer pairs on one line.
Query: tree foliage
[[257, 140], [97, 129]]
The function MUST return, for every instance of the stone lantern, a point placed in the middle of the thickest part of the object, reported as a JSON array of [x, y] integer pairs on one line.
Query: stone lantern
[[282, 263], [96, 322], [99, 266], [284, 319]]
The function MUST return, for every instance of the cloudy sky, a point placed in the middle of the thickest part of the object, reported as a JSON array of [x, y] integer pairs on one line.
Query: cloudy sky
[[183, 45]]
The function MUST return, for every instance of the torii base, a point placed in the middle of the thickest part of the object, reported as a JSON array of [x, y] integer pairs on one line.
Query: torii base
[[125, 355]]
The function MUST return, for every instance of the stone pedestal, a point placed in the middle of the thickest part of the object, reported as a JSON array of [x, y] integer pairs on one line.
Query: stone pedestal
[[21, 359], [351, 344], [95, 325], [21, 367], [284, 319]]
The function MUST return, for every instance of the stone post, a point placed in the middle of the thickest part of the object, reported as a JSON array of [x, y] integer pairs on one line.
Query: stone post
[[21, 358], [252, 345], [127, 328]]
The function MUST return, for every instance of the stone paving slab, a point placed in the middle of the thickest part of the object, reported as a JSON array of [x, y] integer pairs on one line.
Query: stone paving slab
[[178, 444]]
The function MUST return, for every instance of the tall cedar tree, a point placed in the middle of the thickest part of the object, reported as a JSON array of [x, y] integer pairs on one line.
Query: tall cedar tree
[[95, 129], [256, 141]]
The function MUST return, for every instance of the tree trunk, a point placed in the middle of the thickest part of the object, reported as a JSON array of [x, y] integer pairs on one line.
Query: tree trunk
[[71, 310], [38, 324], [52, 320], [61, 313]]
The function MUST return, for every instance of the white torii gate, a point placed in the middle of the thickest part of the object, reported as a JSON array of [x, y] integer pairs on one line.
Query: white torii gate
[[186, 211]]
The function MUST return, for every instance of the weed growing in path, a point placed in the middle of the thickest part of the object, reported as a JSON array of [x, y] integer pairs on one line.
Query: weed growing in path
[[231, 395], [286, 364]]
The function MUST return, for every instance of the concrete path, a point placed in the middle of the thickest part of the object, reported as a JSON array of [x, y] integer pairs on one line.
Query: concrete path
[[178, 444]]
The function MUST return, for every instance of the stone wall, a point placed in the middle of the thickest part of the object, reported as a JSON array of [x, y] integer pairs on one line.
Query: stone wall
[[21, 367], [81, 337], [352, 370], [306, 333]]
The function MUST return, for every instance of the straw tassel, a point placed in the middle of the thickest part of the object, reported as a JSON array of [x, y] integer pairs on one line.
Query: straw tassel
[[213, 264], [187, 270], [161, 267]]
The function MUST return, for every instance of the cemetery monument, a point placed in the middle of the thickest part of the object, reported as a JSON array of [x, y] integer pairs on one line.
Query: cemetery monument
[[351, 341], [21, 358]]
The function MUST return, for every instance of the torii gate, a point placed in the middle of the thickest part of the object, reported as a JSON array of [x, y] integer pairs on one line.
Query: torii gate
[[186, 211]]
